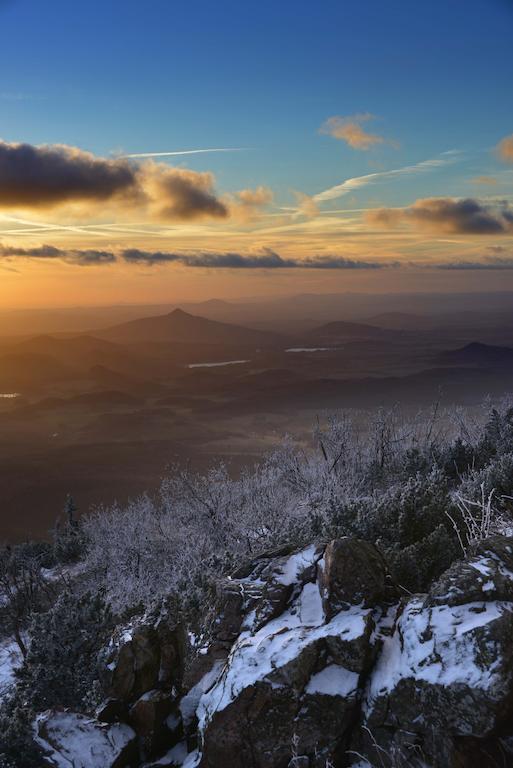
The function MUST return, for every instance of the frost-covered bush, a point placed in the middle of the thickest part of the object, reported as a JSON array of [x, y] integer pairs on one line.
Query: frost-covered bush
[[60, 668], [389, 481], [17, 746]]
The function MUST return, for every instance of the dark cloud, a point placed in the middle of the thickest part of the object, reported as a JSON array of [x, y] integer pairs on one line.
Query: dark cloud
[[135, 256], [497, 249], [487, 264], [81, 258], [46, 176], [177, 194], [268, 259], [50, 176], [448, 215]]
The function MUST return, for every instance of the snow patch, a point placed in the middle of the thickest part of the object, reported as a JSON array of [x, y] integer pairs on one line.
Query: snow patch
[[74, 740], [176, 756], [296, 564], [333, 680], [189, 703]]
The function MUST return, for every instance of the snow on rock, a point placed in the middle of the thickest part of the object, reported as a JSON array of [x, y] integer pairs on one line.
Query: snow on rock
[[313, 653], [72, 740], [446, 666], [437, 646], [291, 569], [176, 756], [189, 703], [293, 672], [333, 681], [255, 657], [340, 665]]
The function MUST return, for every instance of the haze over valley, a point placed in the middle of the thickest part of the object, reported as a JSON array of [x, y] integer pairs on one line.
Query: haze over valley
[[102, 411]]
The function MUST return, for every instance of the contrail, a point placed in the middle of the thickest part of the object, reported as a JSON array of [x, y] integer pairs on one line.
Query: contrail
[[372, 178], [185, 152]]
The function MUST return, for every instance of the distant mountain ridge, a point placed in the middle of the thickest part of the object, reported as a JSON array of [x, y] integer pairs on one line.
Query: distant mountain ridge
[[478, 354], [342, 329], [182, 327]]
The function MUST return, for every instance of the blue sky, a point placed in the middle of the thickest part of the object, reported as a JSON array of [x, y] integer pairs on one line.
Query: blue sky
[[264, 75], [116, 78]]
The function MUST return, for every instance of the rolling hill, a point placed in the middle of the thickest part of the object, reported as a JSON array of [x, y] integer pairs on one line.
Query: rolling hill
[[179, 326], [477, 354]]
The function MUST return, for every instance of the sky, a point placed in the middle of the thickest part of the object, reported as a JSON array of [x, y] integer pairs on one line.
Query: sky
[[174, 151]]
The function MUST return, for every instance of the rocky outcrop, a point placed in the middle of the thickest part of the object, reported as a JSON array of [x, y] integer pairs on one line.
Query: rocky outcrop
[[443, 680], [314, 659], [142, 674], [148, 654], [294, 678], [347, 673]]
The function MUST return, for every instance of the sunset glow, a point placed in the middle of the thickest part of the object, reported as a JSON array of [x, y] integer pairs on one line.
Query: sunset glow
[[88, 165]]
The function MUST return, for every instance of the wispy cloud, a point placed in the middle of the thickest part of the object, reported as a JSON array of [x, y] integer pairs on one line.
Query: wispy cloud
[[487, 264], [350, 130], [490, 181], [183, 152], [19, 96], [505, 149], [356, 183]]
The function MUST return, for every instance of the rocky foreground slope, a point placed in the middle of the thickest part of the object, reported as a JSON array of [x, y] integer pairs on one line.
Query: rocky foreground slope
[[315, 659]]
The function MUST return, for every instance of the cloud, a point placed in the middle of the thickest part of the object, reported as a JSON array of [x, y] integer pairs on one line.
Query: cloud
[[53, 176], [505, 149], [449, 215], [81, 258], [489, 264], [306, 205], [46, 176], [267, 259], [247, 203], [356, 183], [178, 194], [486, 180], [349, 129]]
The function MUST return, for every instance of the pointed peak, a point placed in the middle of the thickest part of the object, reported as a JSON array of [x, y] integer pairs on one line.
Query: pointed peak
[[179, 313]]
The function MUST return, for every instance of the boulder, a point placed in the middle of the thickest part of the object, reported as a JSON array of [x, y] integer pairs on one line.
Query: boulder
[[485, 575], [70, 739], [148, 719], [353, 572]]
